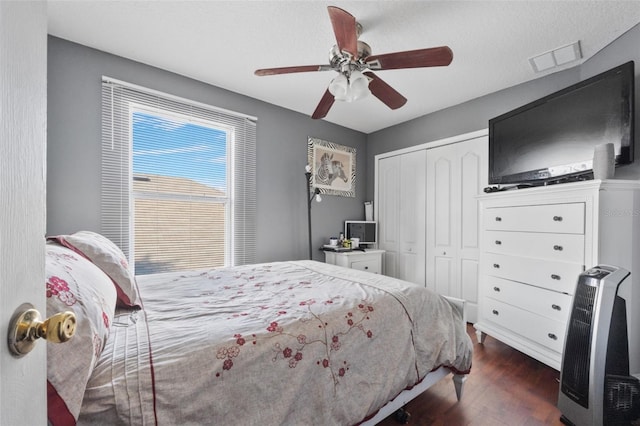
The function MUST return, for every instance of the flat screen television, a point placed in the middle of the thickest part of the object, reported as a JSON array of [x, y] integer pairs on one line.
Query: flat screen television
[[551, 140], [363, 229]]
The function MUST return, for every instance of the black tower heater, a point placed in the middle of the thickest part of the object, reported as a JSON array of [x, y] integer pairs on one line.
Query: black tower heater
[[595, 385]]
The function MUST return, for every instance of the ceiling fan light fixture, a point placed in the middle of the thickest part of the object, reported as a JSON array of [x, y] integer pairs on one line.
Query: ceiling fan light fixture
[[358, 85], [339, 87], [349, 89]]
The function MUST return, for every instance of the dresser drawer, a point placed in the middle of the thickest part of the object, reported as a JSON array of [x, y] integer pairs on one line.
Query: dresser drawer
[[560, 247], [561, 218], [552, 275], [546, 303], [371, 265], [544, 331]]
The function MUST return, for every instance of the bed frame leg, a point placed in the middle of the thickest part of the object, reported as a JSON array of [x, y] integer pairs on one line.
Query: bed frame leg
[[402, 416], [458, 383]]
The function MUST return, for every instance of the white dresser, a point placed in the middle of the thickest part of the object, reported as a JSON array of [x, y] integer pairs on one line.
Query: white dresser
[[369, 260], [534, 244]]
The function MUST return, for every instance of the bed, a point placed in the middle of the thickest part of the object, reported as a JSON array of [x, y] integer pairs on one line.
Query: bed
[[281, 343]]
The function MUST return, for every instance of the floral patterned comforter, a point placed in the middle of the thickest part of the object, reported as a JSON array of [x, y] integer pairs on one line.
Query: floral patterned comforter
[[286, 343]]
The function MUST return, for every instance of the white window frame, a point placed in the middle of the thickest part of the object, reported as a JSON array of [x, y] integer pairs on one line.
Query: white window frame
[[227, 201]]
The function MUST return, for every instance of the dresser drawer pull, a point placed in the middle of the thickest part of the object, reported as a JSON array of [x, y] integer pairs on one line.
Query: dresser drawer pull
[[556, 307], [366, 267], [498, 219], [495, 312], [552, 336], [555, 277], [557, 218], [557, 248], [497, 266], [498, 242], [496, 289]]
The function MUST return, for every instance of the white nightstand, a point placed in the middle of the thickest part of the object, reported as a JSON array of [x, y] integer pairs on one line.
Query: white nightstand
[[369, 260]]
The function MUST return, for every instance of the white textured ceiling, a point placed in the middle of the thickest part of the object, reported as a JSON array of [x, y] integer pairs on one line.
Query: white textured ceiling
[[223, 42]]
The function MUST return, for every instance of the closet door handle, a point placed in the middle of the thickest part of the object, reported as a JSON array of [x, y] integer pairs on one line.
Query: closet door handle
[[552, 336], [498, 219], [557, 218], [498, 242], [497, 266], [496, 289], [557, 248], [556, 307], [495, 312], [555, 277]]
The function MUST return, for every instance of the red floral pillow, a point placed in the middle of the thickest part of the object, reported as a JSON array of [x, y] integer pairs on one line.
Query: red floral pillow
[[75, 284], [108, 257]]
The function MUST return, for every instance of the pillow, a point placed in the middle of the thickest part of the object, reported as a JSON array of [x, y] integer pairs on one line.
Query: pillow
[[108, 257], [75, 284]]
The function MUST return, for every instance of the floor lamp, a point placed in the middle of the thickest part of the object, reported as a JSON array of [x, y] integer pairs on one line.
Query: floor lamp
[[310, 196]]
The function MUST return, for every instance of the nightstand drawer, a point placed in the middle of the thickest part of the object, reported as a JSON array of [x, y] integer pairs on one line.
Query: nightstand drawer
[[560, 247], [544, 331], [561, 218], [367, 265], [552, 275], [537, 300], [368, 260]]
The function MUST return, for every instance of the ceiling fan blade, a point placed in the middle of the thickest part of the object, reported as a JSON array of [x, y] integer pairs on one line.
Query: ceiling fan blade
[[289, 70], [324, 106], [431, 57], [387, 94], [344, 27]]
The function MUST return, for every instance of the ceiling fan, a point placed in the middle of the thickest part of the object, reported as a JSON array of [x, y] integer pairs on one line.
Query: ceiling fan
[[353, 61]]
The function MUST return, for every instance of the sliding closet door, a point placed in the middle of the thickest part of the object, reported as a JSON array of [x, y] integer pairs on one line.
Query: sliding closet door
[[456, 174], [401, 212]]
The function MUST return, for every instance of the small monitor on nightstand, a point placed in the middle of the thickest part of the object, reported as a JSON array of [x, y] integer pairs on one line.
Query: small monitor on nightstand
[[365, 230]]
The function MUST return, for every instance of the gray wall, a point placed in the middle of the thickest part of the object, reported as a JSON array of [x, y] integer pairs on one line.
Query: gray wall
[[475, 114], [73, 175], [73, 151]]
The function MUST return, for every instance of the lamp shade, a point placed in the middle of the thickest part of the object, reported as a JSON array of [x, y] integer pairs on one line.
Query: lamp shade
[[339, 87], [355, 87], [359, 85]]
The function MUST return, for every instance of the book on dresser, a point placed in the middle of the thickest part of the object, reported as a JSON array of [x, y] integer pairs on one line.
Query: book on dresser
[[535, 243]]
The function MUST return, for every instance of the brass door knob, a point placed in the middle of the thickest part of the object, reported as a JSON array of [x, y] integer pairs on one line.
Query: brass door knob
[[27, 327]]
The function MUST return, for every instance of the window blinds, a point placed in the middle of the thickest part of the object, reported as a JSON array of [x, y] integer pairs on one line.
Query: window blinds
[[119, 100]]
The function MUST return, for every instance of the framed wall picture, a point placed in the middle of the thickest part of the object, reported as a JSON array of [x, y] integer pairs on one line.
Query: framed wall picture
[[333, 167]]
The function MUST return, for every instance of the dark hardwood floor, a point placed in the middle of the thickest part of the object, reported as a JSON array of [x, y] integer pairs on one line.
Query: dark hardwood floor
[[505, 387]]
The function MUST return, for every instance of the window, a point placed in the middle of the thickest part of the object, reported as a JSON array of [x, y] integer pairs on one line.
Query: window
[[178, 181], [180, 211]]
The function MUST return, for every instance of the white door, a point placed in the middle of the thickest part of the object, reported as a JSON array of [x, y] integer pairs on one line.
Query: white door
[[23, 85], [387, 215], [411, 226], [400, 202], [456, 174], [474, 176], [442, 217]]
